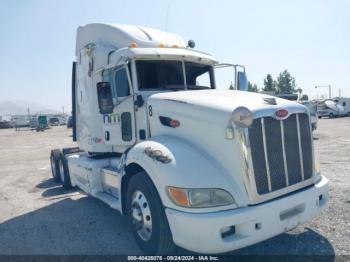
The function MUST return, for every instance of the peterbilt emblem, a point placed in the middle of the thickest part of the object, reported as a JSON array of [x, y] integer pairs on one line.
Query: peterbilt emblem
[[282, 113]]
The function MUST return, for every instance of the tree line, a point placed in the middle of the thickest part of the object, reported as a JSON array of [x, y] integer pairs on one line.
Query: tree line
[[284, 84]]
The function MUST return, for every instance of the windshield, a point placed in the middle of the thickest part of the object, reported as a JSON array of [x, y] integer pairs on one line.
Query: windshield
[[160, 74]]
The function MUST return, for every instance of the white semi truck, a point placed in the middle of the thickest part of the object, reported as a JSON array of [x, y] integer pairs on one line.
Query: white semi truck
[[205, 169]]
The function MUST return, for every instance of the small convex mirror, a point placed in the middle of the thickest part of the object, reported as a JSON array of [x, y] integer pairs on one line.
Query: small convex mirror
[[242, 81], [105, 99]]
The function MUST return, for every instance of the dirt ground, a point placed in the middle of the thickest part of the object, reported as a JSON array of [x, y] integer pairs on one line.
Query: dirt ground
[[37, 216]]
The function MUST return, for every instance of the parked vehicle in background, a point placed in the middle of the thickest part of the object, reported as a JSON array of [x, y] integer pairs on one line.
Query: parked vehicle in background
[[43, 123], [70, 122], [39, 123], [329, 108], [313, 112], [54, 121], [62, 120], [21, 121], [5, 124], [33, 122], [345, 103], [206, 169]]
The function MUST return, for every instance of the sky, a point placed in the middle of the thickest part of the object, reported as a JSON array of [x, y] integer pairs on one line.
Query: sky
[[311, 39]]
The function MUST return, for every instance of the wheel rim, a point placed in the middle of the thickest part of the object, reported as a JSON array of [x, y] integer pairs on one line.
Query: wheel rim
[[61, 170], [141, 216], [53, 166]]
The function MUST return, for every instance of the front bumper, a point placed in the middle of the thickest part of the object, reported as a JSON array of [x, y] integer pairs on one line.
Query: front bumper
[[202, 232]]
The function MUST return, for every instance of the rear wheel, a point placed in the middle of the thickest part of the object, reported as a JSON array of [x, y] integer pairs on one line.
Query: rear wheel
[[64, 172], [54, 159], [147, 216], [331, 115]]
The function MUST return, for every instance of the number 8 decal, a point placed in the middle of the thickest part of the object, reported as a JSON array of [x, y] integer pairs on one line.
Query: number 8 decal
[[150, 112]]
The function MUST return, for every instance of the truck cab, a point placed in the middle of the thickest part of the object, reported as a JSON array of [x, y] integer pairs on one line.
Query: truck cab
[[191, 165]]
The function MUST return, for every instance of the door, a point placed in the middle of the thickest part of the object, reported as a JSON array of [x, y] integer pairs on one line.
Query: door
[[119, 127]]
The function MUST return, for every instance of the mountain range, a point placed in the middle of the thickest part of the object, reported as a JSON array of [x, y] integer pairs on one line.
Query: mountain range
[[20, 107]]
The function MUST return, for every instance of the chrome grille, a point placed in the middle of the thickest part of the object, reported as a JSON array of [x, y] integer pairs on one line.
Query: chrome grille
[[281, 152]]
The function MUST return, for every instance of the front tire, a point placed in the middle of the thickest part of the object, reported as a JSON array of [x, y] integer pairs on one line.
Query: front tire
[[147, 216]]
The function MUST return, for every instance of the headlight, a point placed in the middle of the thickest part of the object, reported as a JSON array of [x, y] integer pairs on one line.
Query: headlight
[[200, 197], [242, 117]]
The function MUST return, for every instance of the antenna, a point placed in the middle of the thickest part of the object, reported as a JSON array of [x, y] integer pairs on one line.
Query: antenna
[[166, 23]]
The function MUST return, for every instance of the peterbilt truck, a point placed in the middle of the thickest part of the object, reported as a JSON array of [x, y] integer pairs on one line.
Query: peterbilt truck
[[188, 163]]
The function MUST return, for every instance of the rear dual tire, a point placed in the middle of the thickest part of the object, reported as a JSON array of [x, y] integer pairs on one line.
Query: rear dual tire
[[59, 168], [54, 158]]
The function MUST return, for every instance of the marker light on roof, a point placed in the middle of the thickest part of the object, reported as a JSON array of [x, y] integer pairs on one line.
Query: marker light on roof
[[161, 45]]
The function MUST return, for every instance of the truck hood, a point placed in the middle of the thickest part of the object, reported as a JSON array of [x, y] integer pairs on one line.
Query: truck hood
[[228, 100]]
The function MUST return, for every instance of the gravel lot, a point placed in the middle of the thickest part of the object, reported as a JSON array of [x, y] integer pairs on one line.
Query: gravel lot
[[37, 216]]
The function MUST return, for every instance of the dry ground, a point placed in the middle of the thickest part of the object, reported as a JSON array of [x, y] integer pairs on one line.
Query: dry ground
[[37, 216]]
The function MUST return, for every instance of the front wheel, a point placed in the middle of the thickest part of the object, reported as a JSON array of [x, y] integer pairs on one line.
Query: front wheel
[[146, 213]]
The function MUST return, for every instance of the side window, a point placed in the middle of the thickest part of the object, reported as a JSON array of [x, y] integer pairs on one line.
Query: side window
[[344, 104], [121, 84], [198, 75]]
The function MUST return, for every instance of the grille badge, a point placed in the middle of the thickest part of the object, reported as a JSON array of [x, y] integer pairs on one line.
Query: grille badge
[[281, 114]]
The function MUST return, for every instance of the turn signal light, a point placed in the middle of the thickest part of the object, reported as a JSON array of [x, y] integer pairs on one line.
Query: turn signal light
[[161, 45], [178, 195], [133, 45]]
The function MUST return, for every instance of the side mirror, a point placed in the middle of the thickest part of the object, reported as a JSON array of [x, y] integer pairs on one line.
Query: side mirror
[[242, 81], [105, 99]]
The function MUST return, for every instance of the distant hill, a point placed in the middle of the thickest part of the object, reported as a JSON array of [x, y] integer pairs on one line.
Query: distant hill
[[21, 107]]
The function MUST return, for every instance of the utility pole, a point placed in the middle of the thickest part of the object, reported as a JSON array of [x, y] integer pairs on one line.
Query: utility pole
[[329, 89]]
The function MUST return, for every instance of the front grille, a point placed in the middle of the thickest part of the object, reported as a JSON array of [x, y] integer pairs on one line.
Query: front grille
[[281, 155]]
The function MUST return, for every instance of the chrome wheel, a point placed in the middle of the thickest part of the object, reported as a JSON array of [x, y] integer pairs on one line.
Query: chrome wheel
[[141, 216], [61, 170]]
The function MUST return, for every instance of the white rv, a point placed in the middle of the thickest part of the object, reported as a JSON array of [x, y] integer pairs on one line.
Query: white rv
[[208, 170], [344, 102], [330, 108]]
